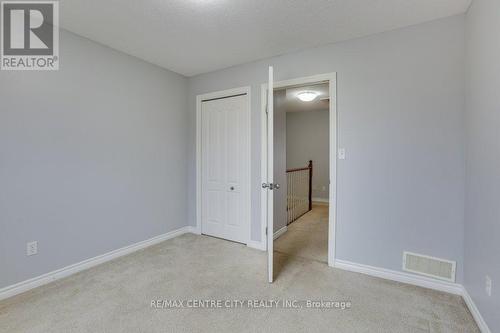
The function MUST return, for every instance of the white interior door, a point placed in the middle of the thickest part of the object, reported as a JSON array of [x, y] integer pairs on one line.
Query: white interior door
[[270, 175], [225, 166]]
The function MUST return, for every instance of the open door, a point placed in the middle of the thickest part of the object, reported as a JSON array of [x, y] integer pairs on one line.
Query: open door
[[268, 184]]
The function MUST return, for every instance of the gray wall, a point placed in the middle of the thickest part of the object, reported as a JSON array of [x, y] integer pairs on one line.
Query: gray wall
[[92, 158], [400, 105], [307, 138], [482, 209]]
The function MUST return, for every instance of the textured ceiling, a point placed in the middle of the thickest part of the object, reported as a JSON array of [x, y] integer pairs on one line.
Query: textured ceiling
[[197, 36]]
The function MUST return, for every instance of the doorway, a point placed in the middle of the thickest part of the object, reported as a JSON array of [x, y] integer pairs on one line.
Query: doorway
[[223, 164], [298, 204], [301, 166]]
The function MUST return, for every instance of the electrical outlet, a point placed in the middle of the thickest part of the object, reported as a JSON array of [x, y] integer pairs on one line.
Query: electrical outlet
[[31, 248], [488, 285]]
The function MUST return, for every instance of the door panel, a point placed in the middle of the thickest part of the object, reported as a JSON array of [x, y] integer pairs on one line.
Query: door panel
[[225, 168], [270, 174], [213, 185], [233, 209], [234, 145]]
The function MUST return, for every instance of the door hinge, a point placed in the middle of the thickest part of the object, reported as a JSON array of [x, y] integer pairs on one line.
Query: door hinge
[[267, 103], [266, 231]]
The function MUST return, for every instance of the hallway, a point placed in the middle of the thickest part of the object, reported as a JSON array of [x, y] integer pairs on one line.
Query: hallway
[[307, 237]]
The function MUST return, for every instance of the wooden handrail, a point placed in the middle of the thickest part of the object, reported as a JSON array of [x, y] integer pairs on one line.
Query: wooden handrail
[[301, 169], [297, 169]]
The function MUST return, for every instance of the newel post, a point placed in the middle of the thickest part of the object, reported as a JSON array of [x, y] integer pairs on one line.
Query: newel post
[[310, 183]]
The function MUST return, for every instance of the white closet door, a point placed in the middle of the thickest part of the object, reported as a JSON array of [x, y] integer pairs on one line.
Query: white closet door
[[225, 168]]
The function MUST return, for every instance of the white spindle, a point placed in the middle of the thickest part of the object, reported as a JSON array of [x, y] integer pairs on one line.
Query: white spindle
[[297, 193]]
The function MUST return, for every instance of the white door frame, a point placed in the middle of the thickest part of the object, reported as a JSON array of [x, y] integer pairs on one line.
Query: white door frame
[[331, 78], [213, 95]]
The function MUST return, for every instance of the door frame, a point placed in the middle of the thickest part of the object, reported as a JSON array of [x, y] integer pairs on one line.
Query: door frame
[[331, 78], [215, 95]]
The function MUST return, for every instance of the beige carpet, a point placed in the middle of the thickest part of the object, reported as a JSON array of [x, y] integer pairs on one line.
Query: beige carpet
[[307, 237], [116, 296]]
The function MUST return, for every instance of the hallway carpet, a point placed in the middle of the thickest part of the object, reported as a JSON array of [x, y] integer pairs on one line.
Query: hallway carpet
[[307, 237]]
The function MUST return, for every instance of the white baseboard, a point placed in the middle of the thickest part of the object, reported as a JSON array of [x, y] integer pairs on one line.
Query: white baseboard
[[258, 245], [417, 280], [194, 230], [475, 312], [320, 200], [280, 232], [41, 280]]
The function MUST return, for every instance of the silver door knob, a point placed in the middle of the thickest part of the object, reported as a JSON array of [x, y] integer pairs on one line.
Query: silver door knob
[[271, 186]]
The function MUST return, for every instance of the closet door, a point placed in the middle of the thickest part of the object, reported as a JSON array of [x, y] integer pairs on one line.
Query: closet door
[[225, 166]]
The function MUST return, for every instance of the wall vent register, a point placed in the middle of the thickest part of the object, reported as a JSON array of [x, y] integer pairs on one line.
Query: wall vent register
[[429, 266]]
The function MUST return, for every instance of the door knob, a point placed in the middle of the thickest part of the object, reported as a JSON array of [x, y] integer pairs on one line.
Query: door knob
[[232, 188], [271, 186]]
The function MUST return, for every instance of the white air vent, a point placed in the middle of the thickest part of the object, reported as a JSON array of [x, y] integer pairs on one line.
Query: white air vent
[[429, 266]]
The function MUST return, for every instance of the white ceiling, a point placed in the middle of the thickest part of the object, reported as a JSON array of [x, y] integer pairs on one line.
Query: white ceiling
[[197, 36]]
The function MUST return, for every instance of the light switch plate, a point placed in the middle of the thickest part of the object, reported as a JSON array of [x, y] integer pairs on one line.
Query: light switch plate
[[489, 284], [341, 153], [31, 248]]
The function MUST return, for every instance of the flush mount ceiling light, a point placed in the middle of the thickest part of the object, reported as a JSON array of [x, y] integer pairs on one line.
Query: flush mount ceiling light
[[307, 96]]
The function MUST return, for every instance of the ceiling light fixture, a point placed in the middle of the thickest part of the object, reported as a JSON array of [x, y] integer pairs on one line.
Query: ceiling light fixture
[[307, 96]]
